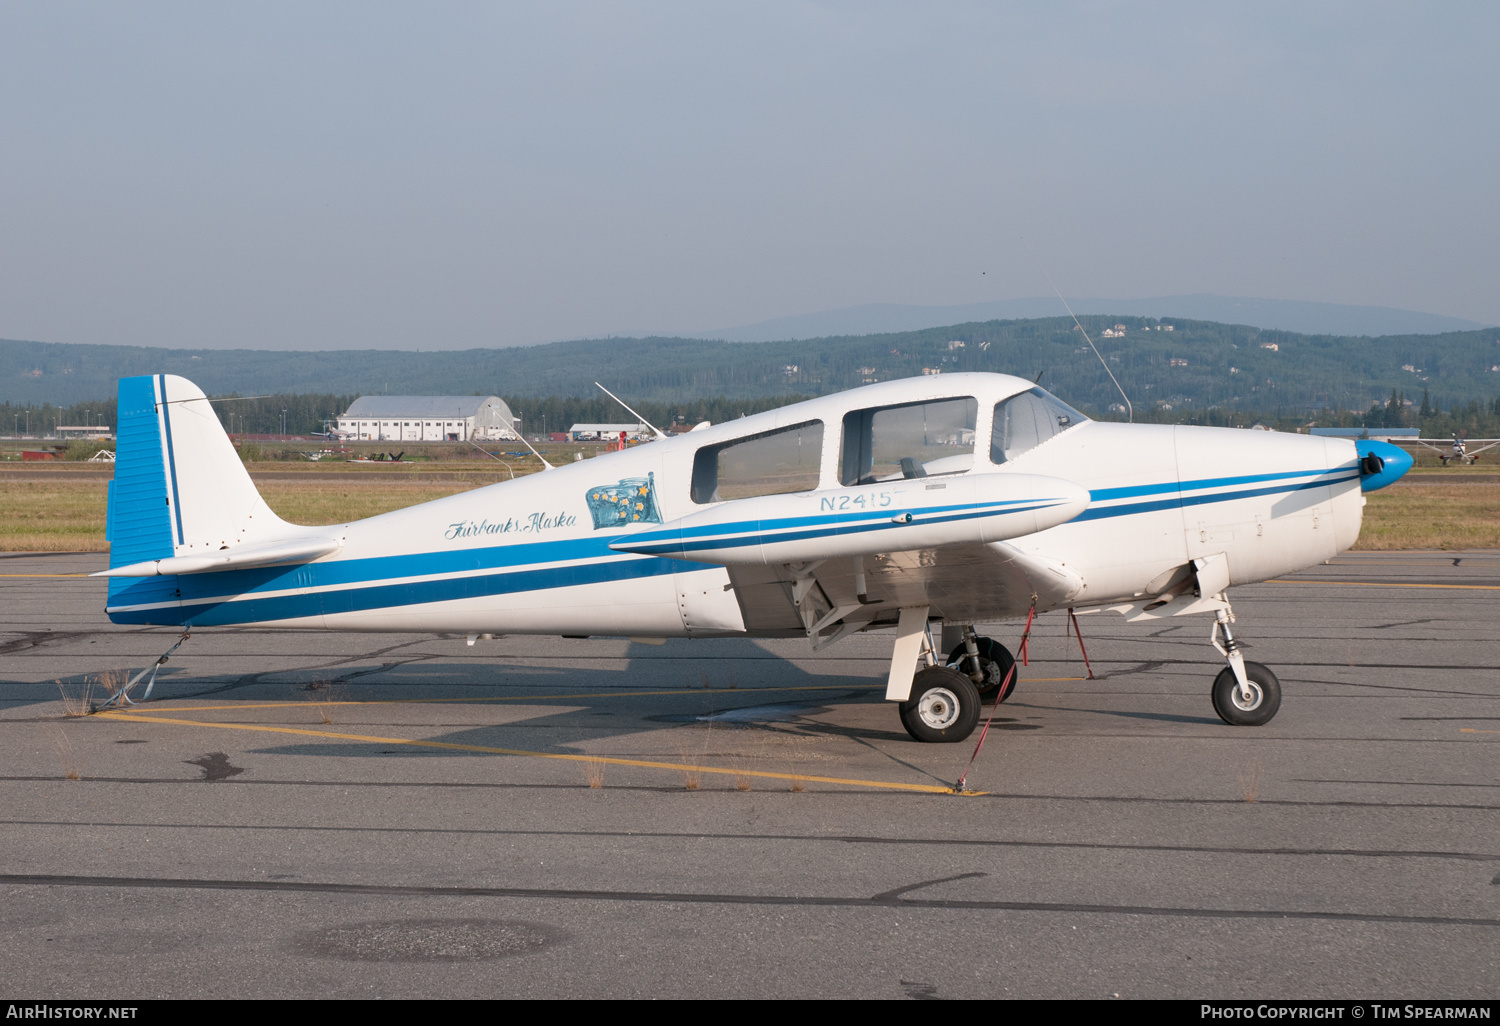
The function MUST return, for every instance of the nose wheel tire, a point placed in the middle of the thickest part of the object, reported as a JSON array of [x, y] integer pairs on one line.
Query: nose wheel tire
[[943, 707], [1265, 696], [995, 661]]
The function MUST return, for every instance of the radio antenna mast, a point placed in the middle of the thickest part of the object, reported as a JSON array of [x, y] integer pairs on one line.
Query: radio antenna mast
[[1129, 409], [643, 420]]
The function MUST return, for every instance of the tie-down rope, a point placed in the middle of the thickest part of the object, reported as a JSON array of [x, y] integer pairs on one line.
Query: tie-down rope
[[1025, 636]]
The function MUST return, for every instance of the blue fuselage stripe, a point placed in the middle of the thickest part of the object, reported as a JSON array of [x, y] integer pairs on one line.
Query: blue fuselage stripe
[[409, 593], [1125, 509]]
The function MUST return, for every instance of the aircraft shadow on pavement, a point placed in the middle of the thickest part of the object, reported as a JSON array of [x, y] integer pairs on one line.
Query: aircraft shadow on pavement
[[759, 679]]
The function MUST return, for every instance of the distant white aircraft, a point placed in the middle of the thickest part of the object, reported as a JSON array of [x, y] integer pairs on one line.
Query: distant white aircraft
[[952, 499], [1457, 449]]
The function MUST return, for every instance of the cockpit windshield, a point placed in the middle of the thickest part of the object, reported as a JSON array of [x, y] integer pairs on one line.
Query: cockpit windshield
[[1026, 420]]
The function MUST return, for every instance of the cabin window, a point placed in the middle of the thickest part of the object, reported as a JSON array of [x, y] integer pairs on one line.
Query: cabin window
[[1025, 421], [910, 440], [771, 463]]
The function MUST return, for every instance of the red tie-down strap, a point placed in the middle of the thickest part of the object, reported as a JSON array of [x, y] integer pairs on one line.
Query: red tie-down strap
[[1075, 629], [1025, 636]]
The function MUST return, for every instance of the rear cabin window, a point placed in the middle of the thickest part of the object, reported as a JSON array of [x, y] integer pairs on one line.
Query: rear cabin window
[[770, 463], [1026, 420], [911, 440]]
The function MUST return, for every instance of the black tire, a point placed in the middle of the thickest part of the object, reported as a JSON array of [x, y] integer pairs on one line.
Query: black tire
[[943, 707], [1267, 699], [995, 661]]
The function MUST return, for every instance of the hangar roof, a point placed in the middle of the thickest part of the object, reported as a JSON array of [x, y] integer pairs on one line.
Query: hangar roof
[[378, 406]]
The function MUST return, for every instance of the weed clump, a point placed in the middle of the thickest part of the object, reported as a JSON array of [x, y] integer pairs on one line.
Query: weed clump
[[593, 771]]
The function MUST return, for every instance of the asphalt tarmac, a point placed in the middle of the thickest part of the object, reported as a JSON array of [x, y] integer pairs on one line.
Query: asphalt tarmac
[[321, 815]]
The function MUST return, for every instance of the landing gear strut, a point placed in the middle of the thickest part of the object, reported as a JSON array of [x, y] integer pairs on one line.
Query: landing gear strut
[[938, 703], [1245, 694], [986, 662]]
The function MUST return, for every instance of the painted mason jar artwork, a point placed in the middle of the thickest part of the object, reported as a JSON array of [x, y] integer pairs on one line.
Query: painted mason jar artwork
[[631, 500]]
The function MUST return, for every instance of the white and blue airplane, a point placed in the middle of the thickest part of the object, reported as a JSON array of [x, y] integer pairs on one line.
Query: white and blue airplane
[[946, 500]]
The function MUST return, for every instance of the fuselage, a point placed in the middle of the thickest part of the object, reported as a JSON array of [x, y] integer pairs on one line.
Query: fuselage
[[533, 555]]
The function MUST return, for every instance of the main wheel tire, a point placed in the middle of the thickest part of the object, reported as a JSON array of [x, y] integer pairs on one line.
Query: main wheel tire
[[995, 661], [1234, 710], [943, 707]]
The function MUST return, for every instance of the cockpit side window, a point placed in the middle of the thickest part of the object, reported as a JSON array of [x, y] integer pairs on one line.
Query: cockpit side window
[[1026, 420], [770, 463], [910, 440]]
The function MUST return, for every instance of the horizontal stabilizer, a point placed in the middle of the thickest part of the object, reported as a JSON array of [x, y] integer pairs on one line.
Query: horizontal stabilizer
[[285, 553]]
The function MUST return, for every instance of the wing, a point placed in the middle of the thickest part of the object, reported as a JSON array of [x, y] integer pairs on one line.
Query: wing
[[965, 583]]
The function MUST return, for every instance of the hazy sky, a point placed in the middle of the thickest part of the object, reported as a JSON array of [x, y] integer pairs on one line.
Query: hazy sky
[[432, 175]]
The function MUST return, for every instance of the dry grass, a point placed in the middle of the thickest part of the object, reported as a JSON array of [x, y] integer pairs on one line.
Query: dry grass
[[65, 752], [691, 756], [41, 514], [741, 774], [77, 699], [799, 784], [112, 682], [53, 516], [593, 771], [1250, 781], [45, 515], [316, 502], [1444, 515], [328, 694]]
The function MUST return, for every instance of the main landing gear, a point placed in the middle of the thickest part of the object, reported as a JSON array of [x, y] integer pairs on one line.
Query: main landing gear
[[1245, 694], [938, 702], [944, 705], [987, 663]]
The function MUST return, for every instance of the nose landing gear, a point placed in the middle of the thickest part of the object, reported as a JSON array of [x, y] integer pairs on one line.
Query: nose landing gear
[[1245, 694]]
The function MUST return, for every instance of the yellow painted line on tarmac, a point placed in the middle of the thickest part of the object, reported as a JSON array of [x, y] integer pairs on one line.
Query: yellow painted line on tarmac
[[509, 698], [1446, 563], [1471, 730], [1383, 584], [306, 702], [448, 746]]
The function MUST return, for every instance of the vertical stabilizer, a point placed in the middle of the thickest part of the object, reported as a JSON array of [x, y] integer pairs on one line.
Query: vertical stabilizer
[[179, 489]]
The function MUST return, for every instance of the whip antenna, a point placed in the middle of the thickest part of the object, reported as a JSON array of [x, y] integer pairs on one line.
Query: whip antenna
[[637, 416], [1129, 409]]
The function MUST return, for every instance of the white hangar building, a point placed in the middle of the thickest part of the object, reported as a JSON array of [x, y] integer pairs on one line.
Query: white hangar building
[[428, 418]]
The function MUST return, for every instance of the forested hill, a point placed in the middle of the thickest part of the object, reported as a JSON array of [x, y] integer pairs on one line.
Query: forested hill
[[1197, 365]]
